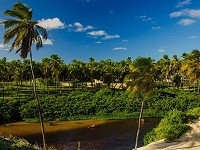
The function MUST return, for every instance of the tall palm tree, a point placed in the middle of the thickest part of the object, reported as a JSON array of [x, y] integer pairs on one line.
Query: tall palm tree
[[143, 76], [25, 32]]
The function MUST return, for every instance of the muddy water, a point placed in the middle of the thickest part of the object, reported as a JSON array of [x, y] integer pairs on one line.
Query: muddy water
[[107, 135]]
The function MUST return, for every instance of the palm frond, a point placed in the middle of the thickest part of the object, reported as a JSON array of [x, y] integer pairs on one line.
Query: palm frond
[[11, 23], [42, 31], [18, 40], [14, 14], [38, 40], [9, 34], [23, 10], [25, 47]]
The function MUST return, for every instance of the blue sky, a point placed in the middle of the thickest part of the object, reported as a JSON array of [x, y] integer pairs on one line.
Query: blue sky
[[112, 29]]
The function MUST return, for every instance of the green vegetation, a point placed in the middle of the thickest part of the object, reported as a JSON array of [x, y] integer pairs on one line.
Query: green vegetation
[[24, 32], [103, 103], [170, 127], [13, 143], [77, 90]]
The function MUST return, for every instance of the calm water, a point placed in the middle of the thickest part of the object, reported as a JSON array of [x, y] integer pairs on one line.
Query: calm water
[[113, 135]]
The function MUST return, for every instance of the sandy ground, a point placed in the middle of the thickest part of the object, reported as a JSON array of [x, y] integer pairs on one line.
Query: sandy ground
[[188, 141]]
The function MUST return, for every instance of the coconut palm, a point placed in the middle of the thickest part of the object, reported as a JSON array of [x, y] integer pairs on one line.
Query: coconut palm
[[25, 32], [4, 71], [143, 76], [55, 65], [191, 66]]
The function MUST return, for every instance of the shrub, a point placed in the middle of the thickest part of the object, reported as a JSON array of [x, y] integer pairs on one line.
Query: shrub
[[194, 112], [170, 127]]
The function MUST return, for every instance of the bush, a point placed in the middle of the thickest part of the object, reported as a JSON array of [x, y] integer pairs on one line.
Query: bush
[[9, 110], [170, 127], [195, 112], [104, 102], [13, 143]]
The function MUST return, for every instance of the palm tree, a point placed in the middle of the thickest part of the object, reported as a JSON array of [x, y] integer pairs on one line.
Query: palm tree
[[3, 70], [46, 70], [191, 66], [143, 76], [56, 64], [25, 32]]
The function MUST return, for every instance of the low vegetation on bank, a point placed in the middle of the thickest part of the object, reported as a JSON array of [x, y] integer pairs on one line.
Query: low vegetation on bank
[[104, 103]]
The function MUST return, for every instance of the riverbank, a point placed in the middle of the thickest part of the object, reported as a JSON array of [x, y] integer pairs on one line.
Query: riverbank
[[189, 140]]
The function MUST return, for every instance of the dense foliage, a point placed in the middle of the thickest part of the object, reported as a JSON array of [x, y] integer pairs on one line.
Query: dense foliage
[[176, 71], [102, 103], [170, 127]]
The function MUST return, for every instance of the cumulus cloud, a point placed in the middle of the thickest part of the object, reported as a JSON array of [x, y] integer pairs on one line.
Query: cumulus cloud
[[50, 24], [120, 48], [110, 37], [97, 33], [156, 28], [98, 42], [183, 3], [193, 13], [161, 50], [186, 22]]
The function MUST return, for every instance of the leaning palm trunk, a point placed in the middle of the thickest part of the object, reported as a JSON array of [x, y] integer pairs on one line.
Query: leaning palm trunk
[[38, 102], [139, 125]]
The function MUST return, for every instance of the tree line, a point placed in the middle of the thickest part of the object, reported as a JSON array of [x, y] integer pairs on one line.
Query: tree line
[[54, 70]]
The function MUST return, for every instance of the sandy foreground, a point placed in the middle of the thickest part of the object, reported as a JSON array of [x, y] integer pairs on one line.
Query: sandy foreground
[[188, 141]]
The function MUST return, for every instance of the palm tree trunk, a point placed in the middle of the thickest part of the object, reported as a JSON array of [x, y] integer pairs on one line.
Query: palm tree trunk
[[38, 102], [3, 88], [139, 126]]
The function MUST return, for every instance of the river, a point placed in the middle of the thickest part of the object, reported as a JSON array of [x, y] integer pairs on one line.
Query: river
[[107, 134]]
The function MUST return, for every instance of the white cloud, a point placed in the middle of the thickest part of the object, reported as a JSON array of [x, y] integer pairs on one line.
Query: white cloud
[[50, 24], [78, 27], [98, 42], [161, 50], [97, 33], [193, 37], [156, 28], [4, 47], [48, 42], [110, 37], [193, 13], [120, 48], [145, 18], [183, 3], [77, 24], [83, 29], [124, 40], [186, 22]]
